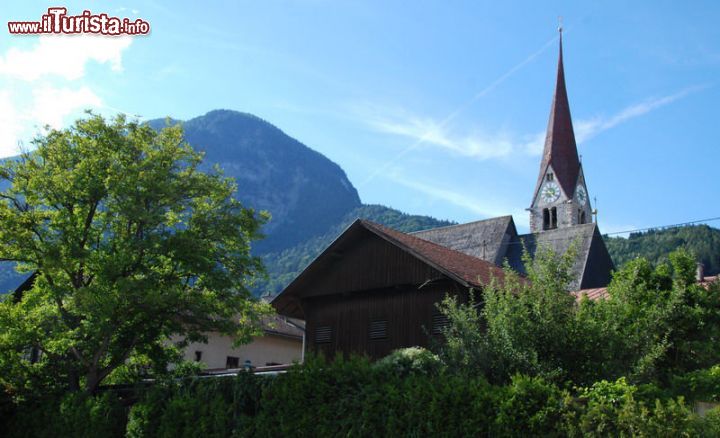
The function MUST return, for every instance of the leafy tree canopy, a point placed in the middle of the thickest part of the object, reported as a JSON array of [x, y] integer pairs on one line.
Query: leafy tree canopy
[[131, 243], [656, 322], [654, 245]]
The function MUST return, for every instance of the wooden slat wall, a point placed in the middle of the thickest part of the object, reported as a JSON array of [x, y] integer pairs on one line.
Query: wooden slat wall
[[371, 263], [408, 312], [372, 280]]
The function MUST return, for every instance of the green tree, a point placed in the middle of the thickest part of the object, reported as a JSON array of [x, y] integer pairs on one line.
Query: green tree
[[520, 325], [654, 323], [131, 244], [657, 321]]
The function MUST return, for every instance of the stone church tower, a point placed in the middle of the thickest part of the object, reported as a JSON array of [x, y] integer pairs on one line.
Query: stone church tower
[[561, 197]]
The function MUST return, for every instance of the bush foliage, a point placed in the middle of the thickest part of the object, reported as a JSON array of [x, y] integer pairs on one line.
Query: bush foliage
[[357, 398], [531, 360]]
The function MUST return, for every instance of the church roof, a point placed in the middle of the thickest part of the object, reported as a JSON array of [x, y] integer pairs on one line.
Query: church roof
[[593, 265], [486, 239], [560, 150]]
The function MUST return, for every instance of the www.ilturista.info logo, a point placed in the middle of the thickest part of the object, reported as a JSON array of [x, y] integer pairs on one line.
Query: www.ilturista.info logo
[[57, 21]]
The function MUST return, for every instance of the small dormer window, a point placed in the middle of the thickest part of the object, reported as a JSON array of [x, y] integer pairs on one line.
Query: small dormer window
[[549, 176]]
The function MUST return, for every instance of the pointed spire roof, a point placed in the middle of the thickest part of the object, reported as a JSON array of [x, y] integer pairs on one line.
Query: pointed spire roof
[[560, 149]]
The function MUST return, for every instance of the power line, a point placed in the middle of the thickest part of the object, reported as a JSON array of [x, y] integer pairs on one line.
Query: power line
[[665, 226], [533, 238]]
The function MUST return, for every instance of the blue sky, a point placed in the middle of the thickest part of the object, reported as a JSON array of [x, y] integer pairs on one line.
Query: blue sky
[[431, 107]]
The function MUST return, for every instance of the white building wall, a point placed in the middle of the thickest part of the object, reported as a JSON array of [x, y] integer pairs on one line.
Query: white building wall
[[261, 351]]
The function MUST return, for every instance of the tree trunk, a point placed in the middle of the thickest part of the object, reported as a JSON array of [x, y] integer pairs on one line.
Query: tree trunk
[[73, 381], [92, 381]]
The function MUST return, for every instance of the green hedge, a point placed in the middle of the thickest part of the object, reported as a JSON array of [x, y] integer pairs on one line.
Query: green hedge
[[406, 395], [74, 415]]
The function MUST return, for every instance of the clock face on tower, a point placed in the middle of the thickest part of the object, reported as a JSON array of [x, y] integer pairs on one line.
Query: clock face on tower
[[550, 192], [581, 195]]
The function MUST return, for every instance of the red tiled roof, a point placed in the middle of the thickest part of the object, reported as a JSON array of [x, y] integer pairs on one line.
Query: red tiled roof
[[592, 294], [471, 270], [560, 149], [707, 280], [602, 292]]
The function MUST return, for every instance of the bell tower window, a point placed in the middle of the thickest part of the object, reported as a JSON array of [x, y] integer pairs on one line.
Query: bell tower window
[[549, 218], [549, 176], [581, 217]]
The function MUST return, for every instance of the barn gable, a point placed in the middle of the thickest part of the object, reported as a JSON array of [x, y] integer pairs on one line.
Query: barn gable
[[369, 256]]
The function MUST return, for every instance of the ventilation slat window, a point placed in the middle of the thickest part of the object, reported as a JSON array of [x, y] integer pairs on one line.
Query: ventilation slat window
[[323, 334], [378, 329], [439, 323]]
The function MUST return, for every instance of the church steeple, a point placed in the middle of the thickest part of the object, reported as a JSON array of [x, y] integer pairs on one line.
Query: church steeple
[[560, 149], [560, 177]]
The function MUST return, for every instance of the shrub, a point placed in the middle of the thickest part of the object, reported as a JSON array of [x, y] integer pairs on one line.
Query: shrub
[[700, 385], [74, 415], [531, 406], [210, 407], [412, 360], [613, 410]]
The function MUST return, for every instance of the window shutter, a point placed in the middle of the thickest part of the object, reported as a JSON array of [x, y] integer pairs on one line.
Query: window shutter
[[439, 323], [323, 334], [378, 329]]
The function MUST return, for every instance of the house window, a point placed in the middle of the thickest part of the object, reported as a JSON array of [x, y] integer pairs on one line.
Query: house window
[[549, 218], [323, 334], [378, 329], [198, 356], [232, 362], [439, 323]]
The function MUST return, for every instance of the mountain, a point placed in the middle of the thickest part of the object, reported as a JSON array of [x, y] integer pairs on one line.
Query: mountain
[[655, 245], [305, 192], [312, 201], [309, 196]]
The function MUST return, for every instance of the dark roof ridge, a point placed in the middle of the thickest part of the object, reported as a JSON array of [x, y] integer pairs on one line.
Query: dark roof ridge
[[508, 216]]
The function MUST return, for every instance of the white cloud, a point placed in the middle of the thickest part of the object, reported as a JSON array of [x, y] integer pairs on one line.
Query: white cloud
[[63, 55], [52, 105], [11, 124], [429, 131], [585, 129], [484, 145], [22, 118], [43, 83], [534, 144], [483, 207]]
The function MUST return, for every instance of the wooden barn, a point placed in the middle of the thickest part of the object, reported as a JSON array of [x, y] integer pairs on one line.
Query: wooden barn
[[374, 289]]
